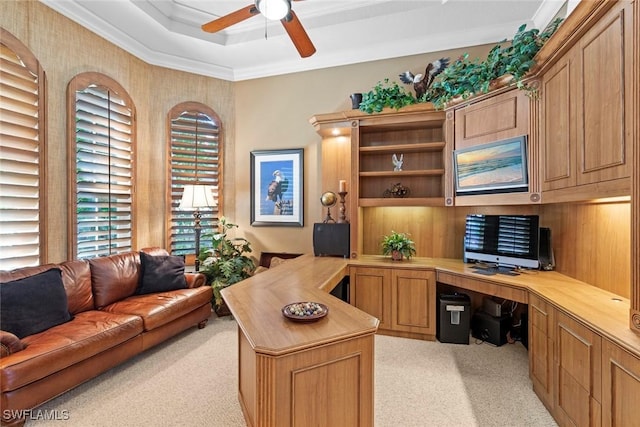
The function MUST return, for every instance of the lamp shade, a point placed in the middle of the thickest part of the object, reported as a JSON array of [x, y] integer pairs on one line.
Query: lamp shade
[[197, 196], [274, 9]]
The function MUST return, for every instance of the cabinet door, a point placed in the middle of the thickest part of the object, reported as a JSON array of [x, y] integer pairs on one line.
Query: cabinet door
[[501, 117], [577, 373], [414, 301], [557, 122], [620, 387], [604, 119], [370, 291], [541, 320]]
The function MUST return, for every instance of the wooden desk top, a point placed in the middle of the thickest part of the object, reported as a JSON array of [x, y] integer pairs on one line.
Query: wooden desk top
[[256, 302], [256, 305], [603, 311]]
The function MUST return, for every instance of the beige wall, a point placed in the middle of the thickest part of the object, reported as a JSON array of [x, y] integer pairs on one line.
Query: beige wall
[[274, 113]]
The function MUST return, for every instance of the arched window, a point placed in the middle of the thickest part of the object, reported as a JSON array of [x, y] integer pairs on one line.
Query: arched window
[[194, 157], [101, 129], [22, 154]]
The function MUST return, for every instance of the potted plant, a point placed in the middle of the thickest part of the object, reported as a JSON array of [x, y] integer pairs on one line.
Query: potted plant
[[398, 245], [226, 262], [386, 94]]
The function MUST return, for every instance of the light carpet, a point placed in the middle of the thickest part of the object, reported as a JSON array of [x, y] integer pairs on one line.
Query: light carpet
[[191, 380]]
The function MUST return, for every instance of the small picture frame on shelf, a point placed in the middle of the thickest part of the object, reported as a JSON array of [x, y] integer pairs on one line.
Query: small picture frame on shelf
[[277, 188]]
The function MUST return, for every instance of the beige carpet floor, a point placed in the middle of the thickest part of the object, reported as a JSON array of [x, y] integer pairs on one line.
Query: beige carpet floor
[[191, 380]]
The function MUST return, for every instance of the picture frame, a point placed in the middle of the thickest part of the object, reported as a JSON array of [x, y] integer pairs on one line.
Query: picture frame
[[497, 167], [277, 183]]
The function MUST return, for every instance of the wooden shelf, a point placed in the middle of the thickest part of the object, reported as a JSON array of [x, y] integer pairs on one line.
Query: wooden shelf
[[403, 173], [400, 201], [403, 148]]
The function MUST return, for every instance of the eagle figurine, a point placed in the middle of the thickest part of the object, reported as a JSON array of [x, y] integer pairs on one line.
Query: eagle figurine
[[422, 82]]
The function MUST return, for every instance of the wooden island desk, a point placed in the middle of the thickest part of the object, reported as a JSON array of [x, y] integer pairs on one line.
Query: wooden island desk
[[584, 360], [299, 374]]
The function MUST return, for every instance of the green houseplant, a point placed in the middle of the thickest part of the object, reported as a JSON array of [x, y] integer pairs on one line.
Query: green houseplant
[[227, 261], [398, 245], [465, 77]]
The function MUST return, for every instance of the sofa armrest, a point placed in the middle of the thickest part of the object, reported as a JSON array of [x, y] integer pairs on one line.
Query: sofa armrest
[[9, 344], [195, 279]]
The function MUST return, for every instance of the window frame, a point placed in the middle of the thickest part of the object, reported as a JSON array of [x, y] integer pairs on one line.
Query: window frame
[[175, 112], [80, 82], [33, 66]]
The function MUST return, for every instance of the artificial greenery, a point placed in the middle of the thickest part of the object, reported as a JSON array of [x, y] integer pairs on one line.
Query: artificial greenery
[[464, 77], [398, 242], [386, 94], [226, 262]]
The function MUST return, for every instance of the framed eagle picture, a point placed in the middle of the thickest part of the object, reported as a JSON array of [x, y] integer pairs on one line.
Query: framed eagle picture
[[277, 188]]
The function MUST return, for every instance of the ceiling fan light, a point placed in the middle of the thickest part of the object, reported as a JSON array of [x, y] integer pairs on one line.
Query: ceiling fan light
[[274, 9]]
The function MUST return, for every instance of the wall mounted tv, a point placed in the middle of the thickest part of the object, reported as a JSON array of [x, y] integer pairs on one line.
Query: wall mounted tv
[[503, 240], [497, 167]]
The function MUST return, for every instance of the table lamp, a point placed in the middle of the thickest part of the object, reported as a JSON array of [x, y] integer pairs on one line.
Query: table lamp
[[196, 197]]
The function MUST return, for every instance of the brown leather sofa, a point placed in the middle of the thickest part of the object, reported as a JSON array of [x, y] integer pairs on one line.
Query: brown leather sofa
[[110, 324]]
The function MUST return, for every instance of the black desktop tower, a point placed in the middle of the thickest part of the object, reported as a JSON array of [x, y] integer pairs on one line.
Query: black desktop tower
[[490, 329], [331, 239]]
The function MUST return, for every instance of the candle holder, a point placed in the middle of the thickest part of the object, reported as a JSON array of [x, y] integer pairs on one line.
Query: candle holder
[[342, 219]]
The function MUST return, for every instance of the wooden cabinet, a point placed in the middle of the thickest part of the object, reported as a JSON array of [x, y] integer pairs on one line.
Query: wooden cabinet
[[541, 327], [577, 373], [402, 299], [491, 119], [413, 299], [370, 291], [620, 386], [585, 126], [418, 140], [497, 116]]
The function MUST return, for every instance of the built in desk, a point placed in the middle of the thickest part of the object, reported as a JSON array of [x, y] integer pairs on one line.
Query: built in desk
[[322, 373]]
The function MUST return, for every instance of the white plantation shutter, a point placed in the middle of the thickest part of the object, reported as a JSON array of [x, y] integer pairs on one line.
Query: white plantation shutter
[[194, 155], [103, 169], [21, 156]]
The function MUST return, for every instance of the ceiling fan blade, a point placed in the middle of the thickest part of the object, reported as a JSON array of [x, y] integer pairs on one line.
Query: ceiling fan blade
[[298, 35], [230, 19]]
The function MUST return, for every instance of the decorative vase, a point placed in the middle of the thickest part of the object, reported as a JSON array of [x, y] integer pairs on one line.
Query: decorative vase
[[396, 256], [356, 99]]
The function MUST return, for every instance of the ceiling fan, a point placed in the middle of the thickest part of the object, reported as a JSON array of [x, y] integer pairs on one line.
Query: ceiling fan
[[273, 10]]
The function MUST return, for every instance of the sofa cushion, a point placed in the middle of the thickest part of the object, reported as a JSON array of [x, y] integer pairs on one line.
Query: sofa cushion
[[160, 274], [76, 276], [114, 277], [160, 308], [88, 334], [33, 304]]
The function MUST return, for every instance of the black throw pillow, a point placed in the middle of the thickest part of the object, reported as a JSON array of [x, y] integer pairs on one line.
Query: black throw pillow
[[33, 304], [161, 273]]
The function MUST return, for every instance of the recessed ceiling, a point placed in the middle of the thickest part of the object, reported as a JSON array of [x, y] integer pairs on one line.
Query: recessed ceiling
[[167, 32]]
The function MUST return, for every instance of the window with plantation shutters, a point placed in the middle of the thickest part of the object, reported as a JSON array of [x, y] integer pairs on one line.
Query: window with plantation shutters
[[22, 202], [101, 129], [194, 157]]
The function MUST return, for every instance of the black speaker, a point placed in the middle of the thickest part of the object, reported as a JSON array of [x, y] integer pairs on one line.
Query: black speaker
[[490, 329], [545, 254], [331, 239]]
